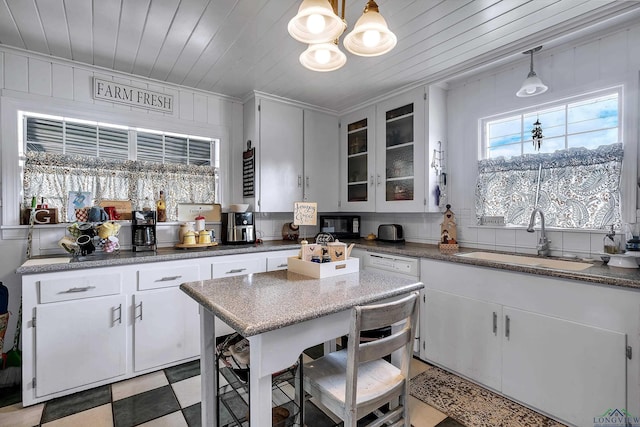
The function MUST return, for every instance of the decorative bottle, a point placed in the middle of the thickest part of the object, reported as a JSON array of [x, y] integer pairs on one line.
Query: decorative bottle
[[146, 206], [161, 208]]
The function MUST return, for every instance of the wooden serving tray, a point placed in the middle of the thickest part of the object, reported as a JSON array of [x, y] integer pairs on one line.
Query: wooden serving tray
[[197, 245], [189, 211]]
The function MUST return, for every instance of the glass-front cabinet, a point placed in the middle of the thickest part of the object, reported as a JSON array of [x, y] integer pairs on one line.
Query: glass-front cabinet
[[358, 161], [400, 153], [385, 154]]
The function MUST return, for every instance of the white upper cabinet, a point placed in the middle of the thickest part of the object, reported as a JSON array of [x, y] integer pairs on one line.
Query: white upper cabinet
[[357, 166], [280, 156], [385, 153], [321, 168], [400, 153], [296, 155]]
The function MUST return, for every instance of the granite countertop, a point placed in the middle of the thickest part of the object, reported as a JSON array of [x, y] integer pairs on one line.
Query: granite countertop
[[598, 273], [46, 264], [257, 303]]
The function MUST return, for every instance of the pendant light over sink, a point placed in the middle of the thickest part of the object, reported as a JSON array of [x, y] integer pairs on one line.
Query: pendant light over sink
[[318, 24], [532, 85]]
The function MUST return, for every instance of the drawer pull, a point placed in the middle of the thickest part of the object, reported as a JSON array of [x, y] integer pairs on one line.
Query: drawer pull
[[283, 265], [235, 270], [168, 278], [119, 310], [74, 290]]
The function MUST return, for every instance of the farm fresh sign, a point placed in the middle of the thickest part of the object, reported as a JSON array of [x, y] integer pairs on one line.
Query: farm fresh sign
[[132, 96]]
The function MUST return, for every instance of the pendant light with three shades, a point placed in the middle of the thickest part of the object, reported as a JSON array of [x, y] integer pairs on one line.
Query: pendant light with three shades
[[318, 24]]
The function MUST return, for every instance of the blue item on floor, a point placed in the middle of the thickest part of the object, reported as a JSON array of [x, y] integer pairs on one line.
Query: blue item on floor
[[4, 299]]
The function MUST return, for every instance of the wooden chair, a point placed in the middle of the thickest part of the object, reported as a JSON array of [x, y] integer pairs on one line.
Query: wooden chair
[[356, 381]]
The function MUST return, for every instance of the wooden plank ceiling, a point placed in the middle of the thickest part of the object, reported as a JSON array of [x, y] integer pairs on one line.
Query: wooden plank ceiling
[[232, 47]]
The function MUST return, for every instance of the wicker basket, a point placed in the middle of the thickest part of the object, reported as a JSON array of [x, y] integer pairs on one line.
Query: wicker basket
[[448, 248]]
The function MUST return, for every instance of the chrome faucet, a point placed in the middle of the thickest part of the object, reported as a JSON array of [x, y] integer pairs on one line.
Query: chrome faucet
[[543, 243]]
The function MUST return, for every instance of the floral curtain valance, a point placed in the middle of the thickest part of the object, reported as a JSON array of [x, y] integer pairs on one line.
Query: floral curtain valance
[[575, 188], [54, 176]]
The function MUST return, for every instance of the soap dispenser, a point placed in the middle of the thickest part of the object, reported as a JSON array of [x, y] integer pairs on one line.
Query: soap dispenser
[[610, 243]]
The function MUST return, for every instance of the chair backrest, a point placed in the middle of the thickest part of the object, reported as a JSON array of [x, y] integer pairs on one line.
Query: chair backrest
[[401, 315]]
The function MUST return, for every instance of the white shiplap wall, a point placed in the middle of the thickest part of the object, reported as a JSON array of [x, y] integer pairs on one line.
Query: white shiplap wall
[[607, 60], [612, 58], [37, 83]]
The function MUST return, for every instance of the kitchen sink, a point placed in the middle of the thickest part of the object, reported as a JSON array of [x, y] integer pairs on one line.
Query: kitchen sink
[[531, 261]]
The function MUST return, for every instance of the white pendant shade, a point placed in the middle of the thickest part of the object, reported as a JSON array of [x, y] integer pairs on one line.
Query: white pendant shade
[[370, 36], [323, 57], [316, 22], [532, 85]]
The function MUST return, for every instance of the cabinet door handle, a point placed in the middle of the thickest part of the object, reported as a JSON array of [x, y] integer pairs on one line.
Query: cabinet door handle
[[299, 181], [283, 265], [168, 278], [507, 323], [372, 181], [140, 316], [119, 310], [74, 290], [235, 270], [307, 181], [378, 179], [495, 323]]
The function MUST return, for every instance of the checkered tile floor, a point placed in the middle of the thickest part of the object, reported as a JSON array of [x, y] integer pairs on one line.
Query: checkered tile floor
[[166, 398]]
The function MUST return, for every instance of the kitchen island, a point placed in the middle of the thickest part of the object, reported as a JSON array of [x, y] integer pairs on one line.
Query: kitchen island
[[281, 313]]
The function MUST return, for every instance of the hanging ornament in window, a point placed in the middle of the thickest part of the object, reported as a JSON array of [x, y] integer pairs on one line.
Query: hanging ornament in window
[[536, 134]]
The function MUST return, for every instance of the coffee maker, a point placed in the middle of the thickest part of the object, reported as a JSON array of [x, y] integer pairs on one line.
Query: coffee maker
[[143, 230], [238, 228]]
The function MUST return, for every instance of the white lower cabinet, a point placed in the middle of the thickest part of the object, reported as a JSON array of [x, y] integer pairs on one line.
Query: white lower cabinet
[[235, 265], [94, 326], [462, 334], [165, 328], [279, 260], [238, 265], [554, 345], [165, 319], [567, 369], [79, 342]]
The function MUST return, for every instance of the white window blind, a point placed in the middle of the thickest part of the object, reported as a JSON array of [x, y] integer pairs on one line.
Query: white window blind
[[66, 155]]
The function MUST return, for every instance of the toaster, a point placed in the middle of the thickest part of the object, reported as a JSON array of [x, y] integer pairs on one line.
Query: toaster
[[390, 233]]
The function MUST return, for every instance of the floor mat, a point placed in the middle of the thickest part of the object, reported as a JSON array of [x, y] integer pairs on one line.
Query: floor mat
[[471, 404]]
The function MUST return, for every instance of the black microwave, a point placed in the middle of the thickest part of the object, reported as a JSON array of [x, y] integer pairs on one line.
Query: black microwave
[[341, 226]]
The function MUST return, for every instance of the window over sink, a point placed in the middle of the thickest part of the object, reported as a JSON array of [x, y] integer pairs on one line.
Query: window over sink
[[573, 175]]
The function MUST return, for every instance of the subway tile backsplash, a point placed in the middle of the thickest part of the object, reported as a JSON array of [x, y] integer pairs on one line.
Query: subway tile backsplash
[[418, 228]]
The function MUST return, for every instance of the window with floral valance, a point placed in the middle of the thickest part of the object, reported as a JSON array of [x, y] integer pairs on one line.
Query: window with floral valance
[[64, 156], [575, 188], [55, 176]]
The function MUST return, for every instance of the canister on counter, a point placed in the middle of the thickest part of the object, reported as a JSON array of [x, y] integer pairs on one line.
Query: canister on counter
[[184, 227], [200, 223]]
